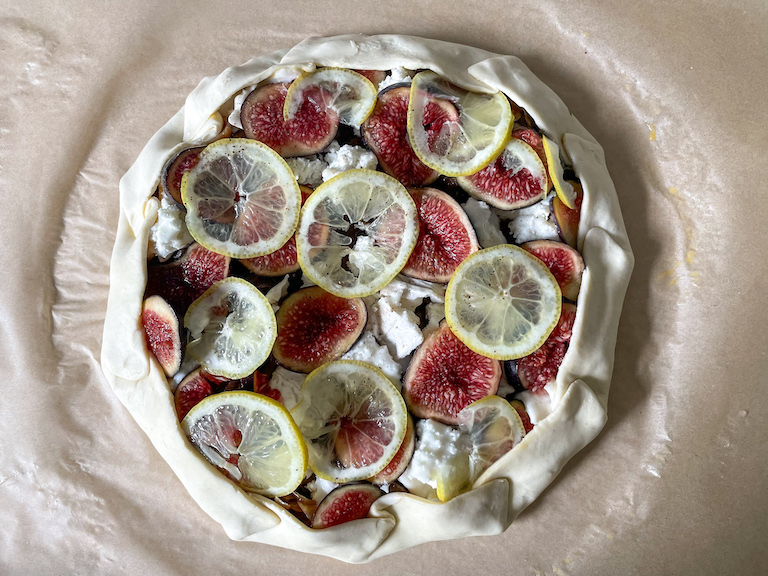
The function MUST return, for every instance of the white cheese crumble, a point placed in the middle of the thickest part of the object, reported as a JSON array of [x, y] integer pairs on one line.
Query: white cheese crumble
[[368, 350], [234, 116], [320, 488], [486, 223], [277, 293], [343, 158], [533, 223], [308, 170], [169, 233], [438, 446], [288, 384], [398, 75], [392, 318]]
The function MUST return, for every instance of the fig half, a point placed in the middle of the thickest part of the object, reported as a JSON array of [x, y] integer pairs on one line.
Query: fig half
[[177, 166], [315, 327], [312, 128], [565, 263], [445, 376], [402, 458], [567, 219], [540, 368], [385, 132], [161, 328], [184, 280], [346, 503], [446, 236], [190, 392]]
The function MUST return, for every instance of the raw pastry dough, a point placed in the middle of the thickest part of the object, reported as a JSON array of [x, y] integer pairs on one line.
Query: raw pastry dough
[[399, 520]]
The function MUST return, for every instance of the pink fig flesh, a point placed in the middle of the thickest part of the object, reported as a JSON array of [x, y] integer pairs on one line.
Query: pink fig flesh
[[175, 169], [161, 328], [346, 503], [386, 133], [565, 263], [445, 376], [540, 368], [311, 130], [183, 281], [190, 392], [446, 237], [507, 187], [402, 458], [283, 260], [375, 76], [567, 219], [315, 327]]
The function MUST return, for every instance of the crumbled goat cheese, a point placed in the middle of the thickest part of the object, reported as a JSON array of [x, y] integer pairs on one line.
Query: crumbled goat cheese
[[308, 170], [277, 293], [438, 446], [486, 223], [533, 223], [169, 233], [397, 75], [288, 384], [188, 365], [343, 158], [368, 350]]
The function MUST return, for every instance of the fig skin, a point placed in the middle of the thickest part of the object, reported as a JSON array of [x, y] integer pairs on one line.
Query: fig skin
[[497, 187], [315, 327], [190, 392], [385, 132], [310, 131], [161, 328], [283, 260], [567, 219], [510, 372], [565, 263], [540, 368], [175, 168], [345, 503], [402, 458], [445, 376], [184, 280], [375, 76], [520, 409], [446, 236]]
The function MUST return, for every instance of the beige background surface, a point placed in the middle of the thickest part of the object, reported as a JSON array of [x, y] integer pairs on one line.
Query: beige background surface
[[675, 484]]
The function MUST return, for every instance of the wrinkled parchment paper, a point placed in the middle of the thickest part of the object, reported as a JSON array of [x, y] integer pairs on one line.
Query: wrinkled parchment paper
[[674, 484]]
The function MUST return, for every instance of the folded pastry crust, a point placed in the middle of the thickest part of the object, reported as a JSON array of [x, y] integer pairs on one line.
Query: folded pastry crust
[[399, 520]]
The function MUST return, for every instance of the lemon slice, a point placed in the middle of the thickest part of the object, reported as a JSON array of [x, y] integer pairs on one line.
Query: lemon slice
[[352, 418], [252, 439], [563, 188], [502, 302], [351, 95], [453, 478], [494, 428], [232, 328], [242, 199], [464, 141], [356, 233]]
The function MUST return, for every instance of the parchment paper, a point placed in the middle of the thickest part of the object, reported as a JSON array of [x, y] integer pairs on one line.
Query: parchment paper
[[675, 483]]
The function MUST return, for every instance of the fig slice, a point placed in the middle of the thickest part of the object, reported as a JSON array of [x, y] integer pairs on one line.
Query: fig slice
[[283, 260], [402, 458], [346, 503], [565, 263], [161, 328], [175, 168], [190, 392], [567, 219], [311, 130], [385, 132], [445, 376], [315, 327], [524, 417], [516, 179], [446, 236], [375, 76], [184, 280], [540, 368]]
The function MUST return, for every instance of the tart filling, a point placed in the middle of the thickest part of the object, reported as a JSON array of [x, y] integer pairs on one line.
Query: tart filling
[[383, 336]]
